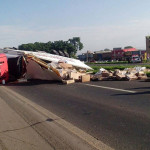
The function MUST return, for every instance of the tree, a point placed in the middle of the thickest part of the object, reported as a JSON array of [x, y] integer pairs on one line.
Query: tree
[[127, 47], [71, 46], [75, 41], [106, 49]]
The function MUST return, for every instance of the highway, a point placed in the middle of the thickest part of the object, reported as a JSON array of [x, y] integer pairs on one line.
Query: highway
[[115, 112]]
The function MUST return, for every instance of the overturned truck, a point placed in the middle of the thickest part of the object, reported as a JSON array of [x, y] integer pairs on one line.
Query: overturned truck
[[44, 66]]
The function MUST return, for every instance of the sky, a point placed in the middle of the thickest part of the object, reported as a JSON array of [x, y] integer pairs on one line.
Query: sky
[[99, 23]]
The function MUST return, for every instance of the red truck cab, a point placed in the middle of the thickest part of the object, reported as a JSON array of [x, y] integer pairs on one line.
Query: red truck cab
[[4, 75]]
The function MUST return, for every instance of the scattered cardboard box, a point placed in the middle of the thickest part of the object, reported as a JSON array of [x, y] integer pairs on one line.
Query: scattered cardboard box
[[105, 74], [142, 77], [120, 76], [68, 81], [66, 66], [74, 75], [85, 78], [131, 77], [103, 78]]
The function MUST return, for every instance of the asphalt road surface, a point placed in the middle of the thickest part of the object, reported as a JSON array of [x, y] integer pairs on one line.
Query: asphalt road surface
[[114, 112]]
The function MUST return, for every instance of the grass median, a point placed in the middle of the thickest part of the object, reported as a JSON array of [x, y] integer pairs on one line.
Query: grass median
[[115, 62]]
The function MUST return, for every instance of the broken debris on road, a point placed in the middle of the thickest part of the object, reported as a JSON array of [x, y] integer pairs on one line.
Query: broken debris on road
[[128, 74], [44, 66], [24, 65]]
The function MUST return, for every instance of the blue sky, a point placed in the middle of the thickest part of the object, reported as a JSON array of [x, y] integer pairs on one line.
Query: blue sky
[[100, 23]]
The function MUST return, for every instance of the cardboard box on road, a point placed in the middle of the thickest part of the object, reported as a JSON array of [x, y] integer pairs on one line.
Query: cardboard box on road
[[68, 81], [105, 74], [74, 75], [120, 76], [85, 78], [131, 77], [141, 73], [142, 77]]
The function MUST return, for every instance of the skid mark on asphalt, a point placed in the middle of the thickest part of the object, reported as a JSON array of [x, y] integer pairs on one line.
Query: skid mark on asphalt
[[110, 88]]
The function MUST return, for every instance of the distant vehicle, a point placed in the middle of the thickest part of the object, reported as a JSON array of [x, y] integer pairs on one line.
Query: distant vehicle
[[136, 59], [133, 56], [93, 61]]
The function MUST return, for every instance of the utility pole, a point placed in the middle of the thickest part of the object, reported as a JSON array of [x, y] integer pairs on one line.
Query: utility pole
[[87, 57]]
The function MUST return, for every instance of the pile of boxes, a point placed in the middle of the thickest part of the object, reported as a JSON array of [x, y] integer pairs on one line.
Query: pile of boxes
[[61, 71], [136, 73], [70, 74]]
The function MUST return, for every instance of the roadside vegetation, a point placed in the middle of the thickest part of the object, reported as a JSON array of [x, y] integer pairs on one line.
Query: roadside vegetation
[[70, 46], [148, 74], [114, 62]]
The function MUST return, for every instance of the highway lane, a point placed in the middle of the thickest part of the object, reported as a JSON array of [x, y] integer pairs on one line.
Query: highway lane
[[119, 119]]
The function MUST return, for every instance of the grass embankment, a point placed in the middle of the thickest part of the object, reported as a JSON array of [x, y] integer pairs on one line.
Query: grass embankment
[[96, 68], [115, 62], [148, 74]]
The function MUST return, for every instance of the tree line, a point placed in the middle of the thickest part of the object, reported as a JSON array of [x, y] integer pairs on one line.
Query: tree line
[[70, 46]]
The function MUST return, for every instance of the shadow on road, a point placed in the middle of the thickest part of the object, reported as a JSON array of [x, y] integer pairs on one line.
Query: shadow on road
[[137, 93], [142, 88], [33, 82]]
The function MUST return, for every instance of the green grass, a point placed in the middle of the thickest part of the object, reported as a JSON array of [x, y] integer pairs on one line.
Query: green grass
[[115, 62], [148, 74]]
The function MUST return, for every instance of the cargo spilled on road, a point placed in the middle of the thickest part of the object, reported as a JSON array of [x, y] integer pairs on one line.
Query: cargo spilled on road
[[38, 65], [18, 65], [128, 74]]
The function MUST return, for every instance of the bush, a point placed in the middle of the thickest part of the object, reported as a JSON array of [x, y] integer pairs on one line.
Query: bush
[[148, 74], [115, 62]]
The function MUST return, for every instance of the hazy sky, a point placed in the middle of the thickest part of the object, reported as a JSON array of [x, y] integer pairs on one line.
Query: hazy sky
[[99, 23]]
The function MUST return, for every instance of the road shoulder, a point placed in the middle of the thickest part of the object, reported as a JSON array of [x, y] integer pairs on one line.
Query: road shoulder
[[58, 133], [15, 133]]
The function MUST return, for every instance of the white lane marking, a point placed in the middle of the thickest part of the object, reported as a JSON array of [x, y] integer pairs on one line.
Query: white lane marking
[[70, 127], [104, 87]]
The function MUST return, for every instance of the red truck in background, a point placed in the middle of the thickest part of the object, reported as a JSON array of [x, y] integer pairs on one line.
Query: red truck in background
[[4, 75]]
